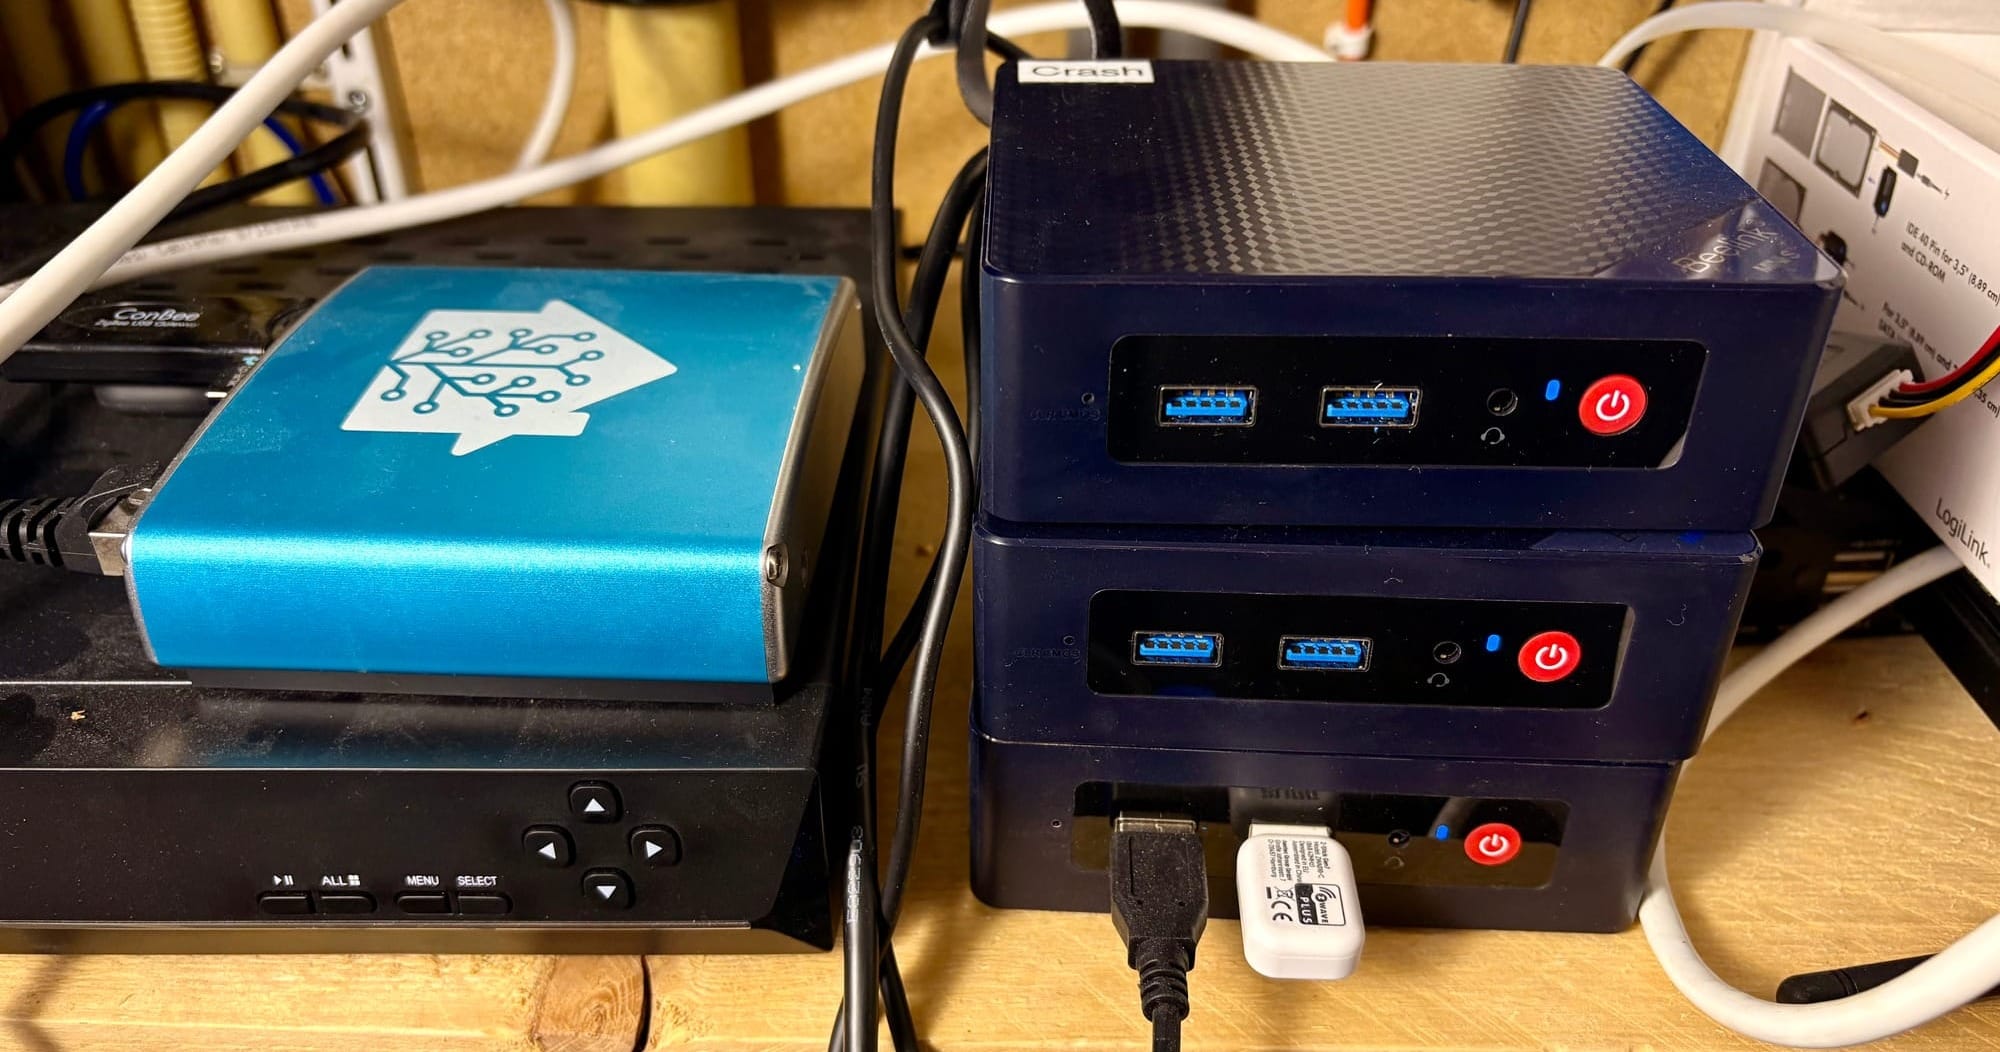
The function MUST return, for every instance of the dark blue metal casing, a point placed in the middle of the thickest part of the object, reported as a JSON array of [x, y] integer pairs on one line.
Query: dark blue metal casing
[[1377, 200], [1025, 833], [1681, 596]]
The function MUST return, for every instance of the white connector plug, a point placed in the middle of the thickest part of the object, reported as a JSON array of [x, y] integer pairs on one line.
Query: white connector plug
[[1349, 43], [1295, 895], [1857, 410]]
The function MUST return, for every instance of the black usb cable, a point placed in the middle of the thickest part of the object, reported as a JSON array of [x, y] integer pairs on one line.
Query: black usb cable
[[1159, 903], [1811, 988]]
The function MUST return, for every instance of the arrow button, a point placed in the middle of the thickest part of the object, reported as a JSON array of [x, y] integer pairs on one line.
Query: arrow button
[[656, 846], [549, 845], [594, 802], [607, 889]]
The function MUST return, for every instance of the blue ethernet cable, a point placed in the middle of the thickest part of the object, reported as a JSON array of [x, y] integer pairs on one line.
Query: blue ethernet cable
[[90, 119]]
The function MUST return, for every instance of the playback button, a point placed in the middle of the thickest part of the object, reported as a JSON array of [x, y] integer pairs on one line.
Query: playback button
[[1612, 406], [1549, 656]]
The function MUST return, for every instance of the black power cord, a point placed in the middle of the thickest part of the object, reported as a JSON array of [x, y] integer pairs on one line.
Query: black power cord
[[878, 675], [969, 319], [353, 138], [961, 202], [1519, 29], [859, 939], [930, 393], [968, 31], [1107, 37], [1811, 988], [907, 330]]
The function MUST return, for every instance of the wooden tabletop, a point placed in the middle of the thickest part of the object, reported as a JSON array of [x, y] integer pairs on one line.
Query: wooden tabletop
[[1847, 815]]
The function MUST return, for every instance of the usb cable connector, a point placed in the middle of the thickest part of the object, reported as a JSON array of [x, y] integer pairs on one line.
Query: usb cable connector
[[1159, 903]]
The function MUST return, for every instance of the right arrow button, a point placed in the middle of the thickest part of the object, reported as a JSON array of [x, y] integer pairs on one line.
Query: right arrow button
[[656, 846]]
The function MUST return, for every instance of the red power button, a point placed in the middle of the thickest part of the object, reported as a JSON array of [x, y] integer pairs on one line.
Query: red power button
[[1493, 844], [1612, 405], [1549, 656]]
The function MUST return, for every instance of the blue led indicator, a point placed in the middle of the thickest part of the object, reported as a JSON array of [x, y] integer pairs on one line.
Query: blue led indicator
[[1441, 833], [1493, 643], [1553, 391]]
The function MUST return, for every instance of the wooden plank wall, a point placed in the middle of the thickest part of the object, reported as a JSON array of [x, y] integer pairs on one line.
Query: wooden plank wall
[[471, 75]]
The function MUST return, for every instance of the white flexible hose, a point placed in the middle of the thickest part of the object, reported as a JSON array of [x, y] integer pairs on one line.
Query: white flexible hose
[[1971, 966], [1915, 60], [562, 86], [1955, 977], [33, 302], [1827, 622], [84, 260]]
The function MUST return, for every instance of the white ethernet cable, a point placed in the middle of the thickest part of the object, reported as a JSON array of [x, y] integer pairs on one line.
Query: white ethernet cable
[[1910, 58], [84, 260], [29, 305], [1967, 969], [1970, 967], [1957, 976], [562, 86]]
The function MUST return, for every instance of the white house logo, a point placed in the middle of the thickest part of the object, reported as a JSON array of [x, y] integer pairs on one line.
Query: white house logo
[[488, 375]]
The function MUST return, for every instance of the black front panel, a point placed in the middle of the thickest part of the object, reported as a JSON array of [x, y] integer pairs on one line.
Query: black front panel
[[1394, 839], [1355, 649], [1596, 824], [1442, 401], [357, 847]]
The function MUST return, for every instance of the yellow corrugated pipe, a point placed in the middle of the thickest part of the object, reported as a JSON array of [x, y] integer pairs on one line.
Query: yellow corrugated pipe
[[38, 64], [245, 32], [665, 61], [110, 55], [170, 49]]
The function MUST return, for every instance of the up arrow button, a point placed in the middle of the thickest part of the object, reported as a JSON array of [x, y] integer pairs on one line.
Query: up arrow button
[[593, 802]]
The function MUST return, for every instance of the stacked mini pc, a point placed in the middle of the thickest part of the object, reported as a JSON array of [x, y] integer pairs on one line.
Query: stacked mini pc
[[1376, 466]]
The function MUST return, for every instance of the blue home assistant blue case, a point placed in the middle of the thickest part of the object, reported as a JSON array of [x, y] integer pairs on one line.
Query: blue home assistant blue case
[[495, 480], [1248, 293], [1357, 642]]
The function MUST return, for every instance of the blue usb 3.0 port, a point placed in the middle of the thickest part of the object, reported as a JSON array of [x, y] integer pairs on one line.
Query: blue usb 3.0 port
[[1208, 406], [1200, 649], [1368, 406], [1320, 653]]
